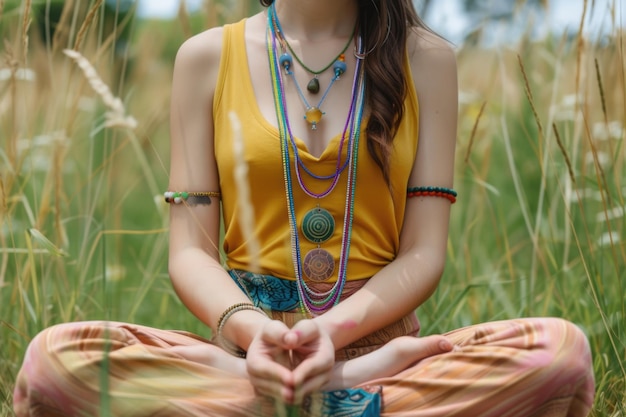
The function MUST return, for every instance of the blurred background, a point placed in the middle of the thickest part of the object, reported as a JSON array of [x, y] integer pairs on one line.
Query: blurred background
[[538, 229], [458, 19]]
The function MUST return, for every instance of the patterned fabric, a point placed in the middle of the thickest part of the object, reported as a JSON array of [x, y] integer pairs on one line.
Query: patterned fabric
[[268, 292], [276, 294], [356, 402], [538, 367]]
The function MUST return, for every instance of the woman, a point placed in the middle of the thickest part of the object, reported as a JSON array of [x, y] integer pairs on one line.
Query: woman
[[304, 120]]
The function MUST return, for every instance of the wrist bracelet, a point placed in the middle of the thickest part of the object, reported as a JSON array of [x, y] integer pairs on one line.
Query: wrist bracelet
[[226, 344]]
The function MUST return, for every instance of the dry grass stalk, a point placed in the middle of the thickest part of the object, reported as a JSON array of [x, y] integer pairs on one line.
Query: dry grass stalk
[[87, 23], [601, 89], [529, 95], [13, 65], [564, 152], [116, 116], [243, 192], [474, 129], [214, 11], [580, 46], [61, 30], [1, 8], [3, 198], [26, 21], [183, 16]]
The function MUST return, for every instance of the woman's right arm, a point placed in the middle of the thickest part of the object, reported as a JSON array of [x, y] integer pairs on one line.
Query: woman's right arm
[[198, 277]]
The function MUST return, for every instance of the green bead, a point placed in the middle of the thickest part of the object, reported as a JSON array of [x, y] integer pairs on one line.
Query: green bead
[[185, 195]]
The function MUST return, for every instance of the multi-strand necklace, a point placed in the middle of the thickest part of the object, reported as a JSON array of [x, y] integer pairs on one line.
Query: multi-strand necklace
[[318, 225], [313, 86], [313, 113]]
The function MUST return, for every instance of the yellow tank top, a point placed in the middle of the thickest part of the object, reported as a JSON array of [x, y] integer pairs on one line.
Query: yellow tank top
[[378, 210]]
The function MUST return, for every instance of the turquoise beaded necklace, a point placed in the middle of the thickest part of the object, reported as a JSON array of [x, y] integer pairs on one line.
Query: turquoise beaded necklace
[[311, 301], [313, 114]]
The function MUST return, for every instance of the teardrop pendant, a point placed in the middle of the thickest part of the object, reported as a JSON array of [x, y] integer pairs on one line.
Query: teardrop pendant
[[313, 86]]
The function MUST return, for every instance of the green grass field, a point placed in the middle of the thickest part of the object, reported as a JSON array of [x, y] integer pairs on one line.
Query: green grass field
[[538, 229]]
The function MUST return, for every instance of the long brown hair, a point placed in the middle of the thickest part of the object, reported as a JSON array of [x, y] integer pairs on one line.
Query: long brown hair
[[384, 26]]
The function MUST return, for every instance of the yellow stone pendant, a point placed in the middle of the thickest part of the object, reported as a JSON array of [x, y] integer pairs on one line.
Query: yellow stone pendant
[[313, 115]]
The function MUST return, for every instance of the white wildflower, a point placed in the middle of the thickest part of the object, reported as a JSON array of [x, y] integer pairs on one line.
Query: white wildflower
[[608, 238], [115, 273], [611, 214], [566, 109], [571, 101], [468, 97], [603, 131], [603, 158], [585, 193], [38, 152], [21, 74]]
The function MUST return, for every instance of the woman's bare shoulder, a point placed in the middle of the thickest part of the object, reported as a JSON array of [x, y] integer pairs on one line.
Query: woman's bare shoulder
[[430, 55], [201, 51]]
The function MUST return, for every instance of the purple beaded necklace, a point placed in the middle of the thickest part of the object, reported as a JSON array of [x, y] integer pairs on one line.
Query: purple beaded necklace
[[285, 62], [312, 301]]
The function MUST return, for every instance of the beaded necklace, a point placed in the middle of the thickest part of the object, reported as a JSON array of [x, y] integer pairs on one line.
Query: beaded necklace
[[283, 60], [311, 301], [313, 113], [313, 86]]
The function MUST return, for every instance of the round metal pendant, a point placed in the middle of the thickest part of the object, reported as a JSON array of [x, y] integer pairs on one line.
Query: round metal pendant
[[318, 265], [318, 225]]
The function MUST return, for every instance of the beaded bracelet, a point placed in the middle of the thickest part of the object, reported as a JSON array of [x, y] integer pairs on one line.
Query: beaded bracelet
[[226, 344], [448, 193], [200, 198]]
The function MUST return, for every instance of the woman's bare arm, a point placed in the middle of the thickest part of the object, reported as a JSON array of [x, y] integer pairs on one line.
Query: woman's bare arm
[[198, 277], [410, 279]]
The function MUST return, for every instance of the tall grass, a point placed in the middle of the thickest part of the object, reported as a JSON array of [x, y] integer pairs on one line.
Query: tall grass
[[538, 229]]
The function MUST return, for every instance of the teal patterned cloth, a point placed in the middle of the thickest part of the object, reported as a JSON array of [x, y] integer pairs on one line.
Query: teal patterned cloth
[[272, 293], [354, 402], [267, 291]]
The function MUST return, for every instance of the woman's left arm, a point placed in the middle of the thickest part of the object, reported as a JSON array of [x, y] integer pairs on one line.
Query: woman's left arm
[[409, 280]]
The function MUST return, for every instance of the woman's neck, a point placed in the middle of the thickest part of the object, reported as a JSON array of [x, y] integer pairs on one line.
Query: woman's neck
[[317, 20]]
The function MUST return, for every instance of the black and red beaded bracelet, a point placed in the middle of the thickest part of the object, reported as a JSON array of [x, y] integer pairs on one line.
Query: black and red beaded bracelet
[[444, 192]]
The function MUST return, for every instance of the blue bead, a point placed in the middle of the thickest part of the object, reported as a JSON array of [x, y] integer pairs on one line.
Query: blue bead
[[340, 67], [285, 61]]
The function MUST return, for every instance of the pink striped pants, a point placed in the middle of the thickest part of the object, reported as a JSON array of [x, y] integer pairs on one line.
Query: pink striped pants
[[538, 367]]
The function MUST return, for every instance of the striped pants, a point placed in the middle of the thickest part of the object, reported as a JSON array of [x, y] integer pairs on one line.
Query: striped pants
[[528, 367]]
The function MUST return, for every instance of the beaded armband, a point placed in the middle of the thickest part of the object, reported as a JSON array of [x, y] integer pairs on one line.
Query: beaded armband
[[193, 199], [447, 193]]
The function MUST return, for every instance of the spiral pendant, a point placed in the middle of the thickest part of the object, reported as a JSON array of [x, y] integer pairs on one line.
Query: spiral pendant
[[318, 265], [318, 225]]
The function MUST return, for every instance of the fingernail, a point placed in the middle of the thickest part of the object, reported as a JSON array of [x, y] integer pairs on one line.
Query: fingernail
[[445, 345]]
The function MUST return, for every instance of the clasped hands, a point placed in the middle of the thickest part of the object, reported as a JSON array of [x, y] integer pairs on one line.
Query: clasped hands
[[289, 364]]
